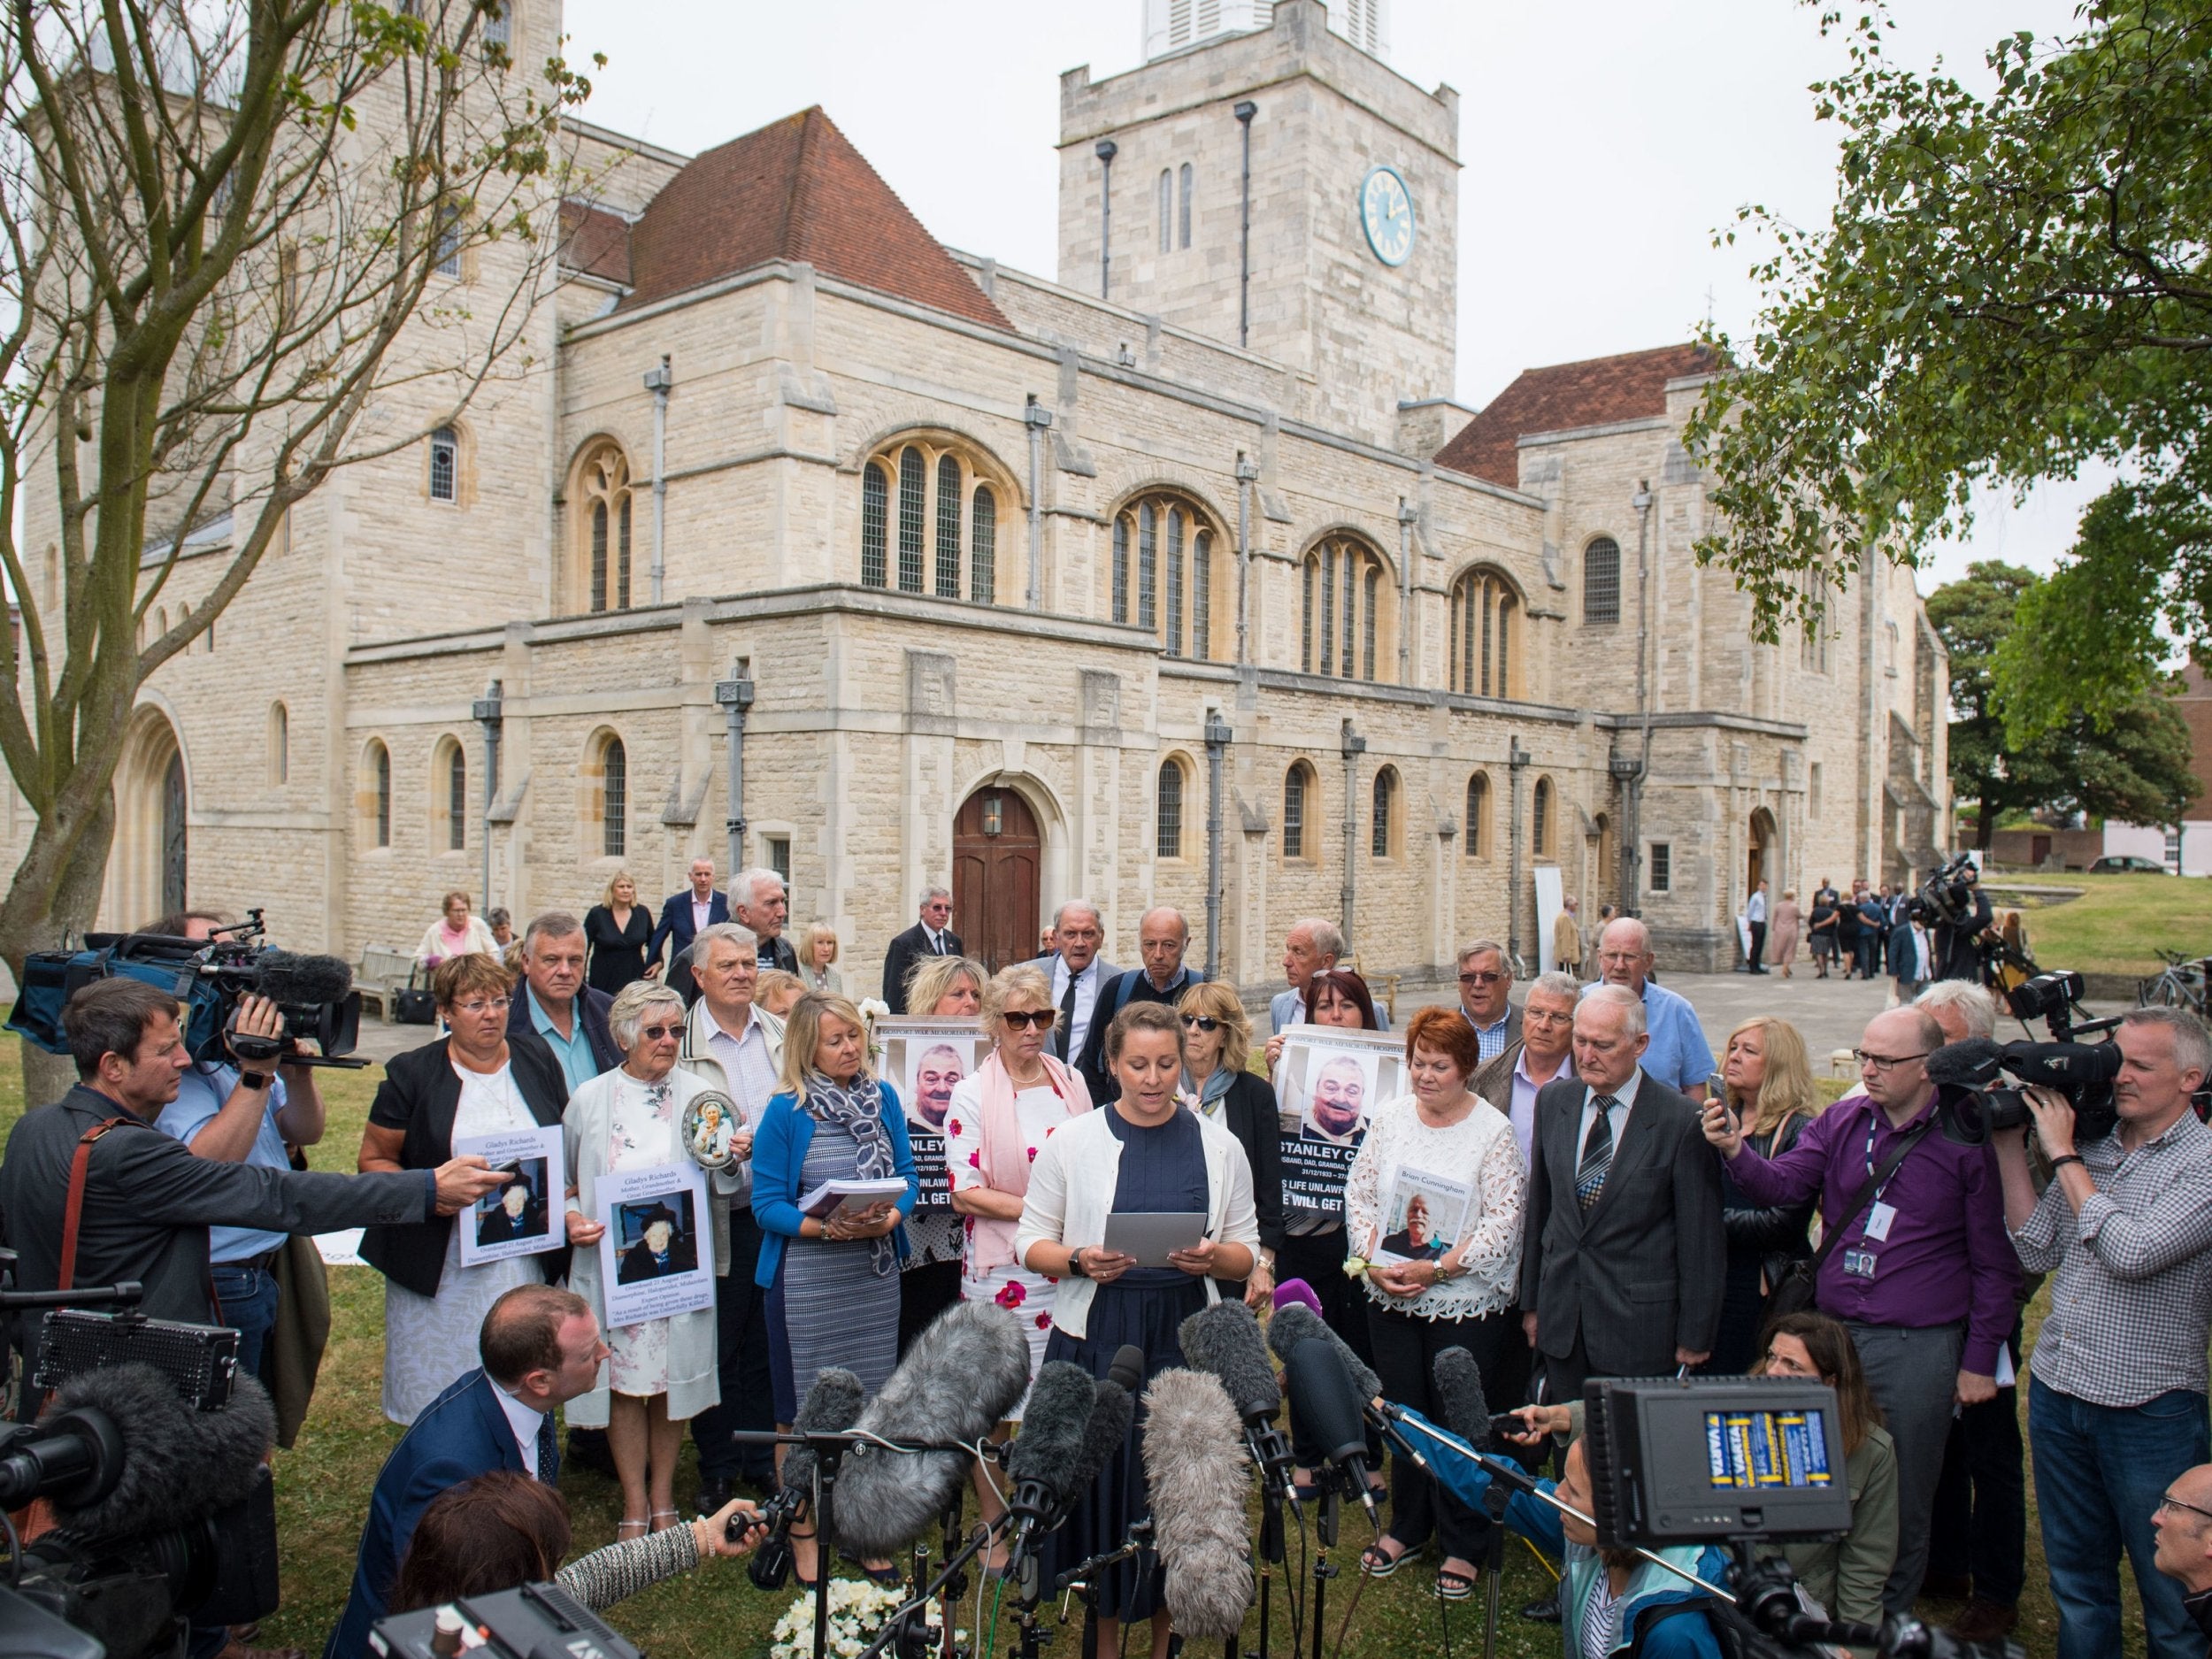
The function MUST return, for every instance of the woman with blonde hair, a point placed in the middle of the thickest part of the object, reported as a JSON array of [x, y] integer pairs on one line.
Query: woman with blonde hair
[[1216, 1048], [832, 1280], [661, 1372], [817, 949], [776, 990], [617, 929], [1002, 1113], [1768, 1081], [947, 985]]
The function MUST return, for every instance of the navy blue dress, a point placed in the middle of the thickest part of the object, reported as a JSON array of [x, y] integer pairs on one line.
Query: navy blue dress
[[1162, 1169]]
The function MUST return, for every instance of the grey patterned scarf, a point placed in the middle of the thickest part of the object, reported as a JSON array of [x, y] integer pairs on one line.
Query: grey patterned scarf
[[857, 1110]]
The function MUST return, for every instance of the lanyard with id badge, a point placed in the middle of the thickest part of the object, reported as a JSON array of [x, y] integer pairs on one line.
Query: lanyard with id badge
[[1879, 1217]]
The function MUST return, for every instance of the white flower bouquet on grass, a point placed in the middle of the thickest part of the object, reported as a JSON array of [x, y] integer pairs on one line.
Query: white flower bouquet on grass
[[857, 1611]]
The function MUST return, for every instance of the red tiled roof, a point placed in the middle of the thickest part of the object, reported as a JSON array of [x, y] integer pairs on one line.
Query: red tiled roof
[[596, 242], [1565, 396], [797, 189]]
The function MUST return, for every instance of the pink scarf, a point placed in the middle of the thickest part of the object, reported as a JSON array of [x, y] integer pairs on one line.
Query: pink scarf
[[1004, 1157]]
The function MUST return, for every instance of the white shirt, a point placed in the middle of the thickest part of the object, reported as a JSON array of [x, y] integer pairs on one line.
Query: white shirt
[[1624, 1099], [1922, 969], [1756, 911], [751, 1076], [524, 1421], [936, 940], [700, 908], [1086, 1000]]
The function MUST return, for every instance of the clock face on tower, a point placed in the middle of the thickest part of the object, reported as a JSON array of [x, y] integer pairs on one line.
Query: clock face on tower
[[1386, 212]]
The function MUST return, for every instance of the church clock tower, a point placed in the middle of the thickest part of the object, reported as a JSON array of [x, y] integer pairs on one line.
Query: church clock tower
[[1349, 274]]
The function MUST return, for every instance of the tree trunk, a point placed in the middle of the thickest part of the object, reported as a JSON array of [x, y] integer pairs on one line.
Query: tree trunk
[[48, 1077], [1984, 824]]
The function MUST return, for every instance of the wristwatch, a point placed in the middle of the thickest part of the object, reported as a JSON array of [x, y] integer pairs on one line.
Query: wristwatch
[[255, 1079], [1076, 1270]]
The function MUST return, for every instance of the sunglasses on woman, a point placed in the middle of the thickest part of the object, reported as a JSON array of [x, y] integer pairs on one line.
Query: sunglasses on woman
[[1027, 1018], [1200, 1022], [660, 1033]]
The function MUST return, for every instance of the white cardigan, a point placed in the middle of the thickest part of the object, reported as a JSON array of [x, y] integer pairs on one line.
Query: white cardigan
[[1071, 1191]]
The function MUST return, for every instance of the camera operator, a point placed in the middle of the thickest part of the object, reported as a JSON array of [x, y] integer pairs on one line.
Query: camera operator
[[2116, 1390], [1917, 1265], [1960, 945], [243, 1116], [2183, 1521], [139, 1206]]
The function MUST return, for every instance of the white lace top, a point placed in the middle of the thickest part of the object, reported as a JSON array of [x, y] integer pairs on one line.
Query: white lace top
[[1480, 1150]]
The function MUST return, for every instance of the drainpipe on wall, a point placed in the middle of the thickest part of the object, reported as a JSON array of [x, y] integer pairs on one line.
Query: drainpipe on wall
[[1247, 474], [1406, 517], [1036, 416], [1353, 747], [1516, 760], [658, 382], [1244, 112], [485, 711], [1106, 150], [735, 694], [1633, 885], [1218, 735]]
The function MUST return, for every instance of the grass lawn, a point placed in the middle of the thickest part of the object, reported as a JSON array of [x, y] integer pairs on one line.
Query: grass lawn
[[323, 1485], [2118, 924]]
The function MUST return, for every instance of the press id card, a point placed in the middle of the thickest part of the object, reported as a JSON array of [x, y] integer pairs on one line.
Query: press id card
[[1859, 1263], [1878, 1219]]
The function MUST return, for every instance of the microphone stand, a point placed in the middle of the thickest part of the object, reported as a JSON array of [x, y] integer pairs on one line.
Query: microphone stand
[[1493, 1501], [1271, 1454], [918, 1605], [1082, 1578], [1329, 1483], [1505, 1472]]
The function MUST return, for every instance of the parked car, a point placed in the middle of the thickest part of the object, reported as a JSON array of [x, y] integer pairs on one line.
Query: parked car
[[2126, 864]]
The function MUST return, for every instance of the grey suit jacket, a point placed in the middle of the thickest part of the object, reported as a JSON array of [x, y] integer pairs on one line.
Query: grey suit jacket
[[1643, 1273]]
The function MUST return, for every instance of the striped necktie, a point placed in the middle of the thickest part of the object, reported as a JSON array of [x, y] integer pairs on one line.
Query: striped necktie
[[1597, 1153]]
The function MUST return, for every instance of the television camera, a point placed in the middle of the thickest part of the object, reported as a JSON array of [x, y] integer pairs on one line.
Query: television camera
[[315, 995], [1977, 1100], [1741, 1462], [149, 1455]]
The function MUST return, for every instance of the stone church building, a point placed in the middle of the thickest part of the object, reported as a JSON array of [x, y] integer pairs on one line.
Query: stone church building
[[1172, 576]]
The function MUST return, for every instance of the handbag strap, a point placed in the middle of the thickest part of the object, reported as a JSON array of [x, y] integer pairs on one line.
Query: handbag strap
[[72, 1209], [1872, 1185]]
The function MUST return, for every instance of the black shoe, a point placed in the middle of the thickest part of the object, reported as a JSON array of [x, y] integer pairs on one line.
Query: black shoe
[[1543, 1612], [714, 1492]]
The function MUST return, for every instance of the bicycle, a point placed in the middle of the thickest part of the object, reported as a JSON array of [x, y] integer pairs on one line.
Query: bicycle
[[2180, 984]]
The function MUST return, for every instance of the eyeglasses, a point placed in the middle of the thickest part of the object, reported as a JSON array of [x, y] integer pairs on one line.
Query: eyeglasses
[[2170, 1501], [1025, 1020], [1883, 1061], [1200, 1022], [483, 1005], [659, 1033], [1481, 978]]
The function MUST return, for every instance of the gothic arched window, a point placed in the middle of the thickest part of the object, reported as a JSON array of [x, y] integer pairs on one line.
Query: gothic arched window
[[1171, 541], [949, 502], [1601, 581], [1343, 624], [1484, 646], [603, 501]]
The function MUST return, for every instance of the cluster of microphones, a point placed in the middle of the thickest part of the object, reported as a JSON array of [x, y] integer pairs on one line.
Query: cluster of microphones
[[895, 1465]]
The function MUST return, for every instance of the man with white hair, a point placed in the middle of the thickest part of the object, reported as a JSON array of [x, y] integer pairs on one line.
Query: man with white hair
[[1078, 972], [1309, 947], [1679, 1055], [930, 936], [757, 904], [1162, 937], [1624, 1261]]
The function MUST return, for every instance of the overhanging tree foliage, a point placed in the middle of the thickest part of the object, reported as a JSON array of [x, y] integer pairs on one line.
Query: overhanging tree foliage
[[2137, 768], [2008, 288], [219, 221]]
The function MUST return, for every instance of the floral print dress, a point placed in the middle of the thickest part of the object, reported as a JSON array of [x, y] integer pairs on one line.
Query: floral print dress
[[641, 1134], [1012, 1285]]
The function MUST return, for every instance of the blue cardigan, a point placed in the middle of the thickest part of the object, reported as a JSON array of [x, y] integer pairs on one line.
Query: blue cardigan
[[779, 1147]]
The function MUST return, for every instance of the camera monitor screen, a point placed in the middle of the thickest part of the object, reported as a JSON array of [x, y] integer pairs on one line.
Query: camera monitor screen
[[1684, 1460]]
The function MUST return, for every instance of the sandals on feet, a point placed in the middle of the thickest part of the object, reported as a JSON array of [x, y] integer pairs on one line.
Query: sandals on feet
[[663, 1519], [626, 1530], [805, 1582], [1454, 1587], [1377, 1561]]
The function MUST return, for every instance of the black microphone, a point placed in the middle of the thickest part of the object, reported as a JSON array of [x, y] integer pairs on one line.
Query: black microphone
[[1126, 1372], [963, 1375], [176, 1464], [1294, 1322], [832, 1406], [1042, 1462], [1225, 1342], [1195, 1468], [1466, 1409], [1971, 1063], [1104, 1436], [1321, 1393]]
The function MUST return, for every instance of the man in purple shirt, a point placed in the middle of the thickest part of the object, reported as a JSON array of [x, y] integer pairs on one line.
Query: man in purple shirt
[[1925, 1276]]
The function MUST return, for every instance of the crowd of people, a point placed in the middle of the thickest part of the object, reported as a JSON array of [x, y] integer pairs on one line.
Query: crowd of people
[[1564, 1183]]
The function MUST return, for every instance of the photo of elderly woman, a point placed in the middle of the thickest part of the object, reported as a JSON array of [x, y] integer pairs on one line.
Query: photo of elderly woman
[[667, 1239], [516, 1211]]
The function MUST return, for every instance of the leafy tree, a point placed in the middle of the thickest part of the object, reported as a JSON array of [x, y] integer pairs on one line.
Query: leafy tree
[[2136, 768], [219, 220], [2007, 288]]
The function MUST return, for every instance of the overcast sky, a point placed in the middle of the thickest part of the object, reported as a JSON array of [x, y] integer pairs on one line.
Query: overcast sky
[[1602, 141]]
